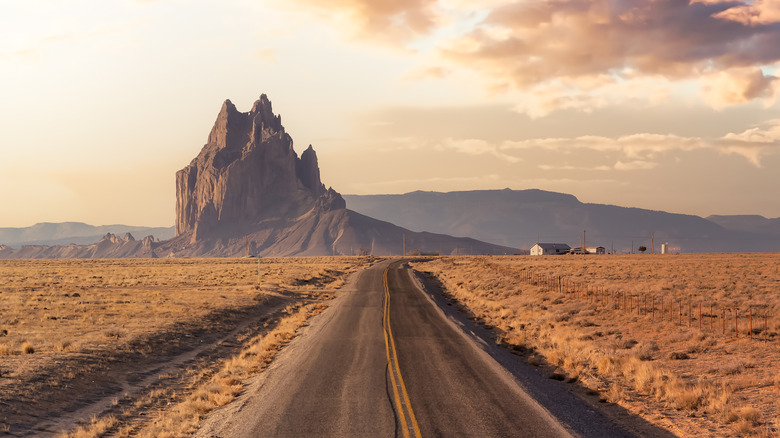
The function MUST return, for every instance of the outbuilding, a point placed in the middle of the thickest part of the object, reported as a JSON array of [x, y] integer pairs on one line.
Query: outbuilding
[[549, 249], [597, 250]]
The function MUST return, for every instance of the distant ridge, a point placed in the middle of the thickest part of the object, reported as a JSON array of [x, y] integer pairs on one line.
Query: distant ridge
[[65, 233], [515, 218]]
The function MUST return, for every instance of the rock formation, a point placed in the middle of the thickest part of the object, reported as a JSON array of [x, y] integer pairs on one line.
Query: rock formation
[[248, 173], [248, 193], [110, 246]]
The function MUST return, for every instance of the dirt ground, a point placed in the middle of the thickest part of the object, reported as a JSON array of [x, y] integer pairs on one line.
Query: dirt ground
[[597, 321], [99, 341]]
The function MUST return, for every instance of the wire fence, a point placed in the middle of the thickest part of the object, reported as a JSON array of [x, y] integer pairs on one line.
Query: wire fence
[[752, 322]]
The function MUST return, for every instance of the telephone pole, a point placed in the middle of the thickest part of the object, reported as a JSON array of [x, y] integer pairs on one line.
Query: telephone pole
[[404, 245], [584, 251]]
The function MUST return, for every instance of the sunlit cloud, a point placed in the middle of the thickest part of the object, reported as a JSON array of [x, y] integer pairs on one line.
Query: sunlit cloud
[[585, 54], [635, 165], [476, 147], [632, 146], [754, 143], [640, 151], [570, 168], [391, 22], [754, 13], [740, 85]]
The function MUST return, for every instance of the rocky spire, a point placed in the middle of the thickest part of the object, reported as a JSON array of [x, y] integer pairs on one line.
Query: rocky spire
[[309, 171], [248, 172]]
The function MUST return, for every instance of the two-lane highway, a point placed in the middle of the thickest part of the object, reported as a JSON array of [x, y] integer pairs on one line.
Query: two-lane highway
[[383, 361], [456, 389]]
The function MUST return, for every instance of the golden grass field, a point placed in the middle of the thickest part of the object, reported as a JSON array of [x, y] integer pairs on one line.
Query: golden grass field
[[692, 381], [146, 346]]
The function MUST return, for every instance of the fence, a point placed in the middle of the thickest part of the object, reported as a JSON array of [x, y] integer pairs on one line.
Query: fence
[[678, 311]]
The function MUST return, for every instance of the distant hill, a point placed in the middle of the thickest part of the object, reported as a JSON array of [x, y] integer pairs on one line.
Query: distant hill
[[749, 223], [514, 217], [65, 233]]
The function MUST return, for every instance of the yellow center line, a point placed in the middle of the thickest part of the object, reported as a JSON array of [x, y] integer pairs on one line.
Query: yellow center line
[[393, 363]]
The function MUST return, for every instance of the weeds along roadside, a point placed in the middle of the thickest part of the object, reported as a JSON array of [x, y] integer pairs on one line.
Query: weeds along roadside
[[625, 362], [179, 413], [114, 317]]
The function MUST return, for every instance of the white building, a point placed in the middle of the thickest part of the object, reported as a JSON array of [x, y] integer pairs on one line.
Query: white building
[[596, 250], [549, 249]]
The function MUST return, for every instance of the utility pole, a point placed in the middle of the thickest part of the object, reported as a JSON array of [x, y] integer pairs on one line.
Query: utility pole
[[652, 243], [584, 251], [246, 247], [404, 245]]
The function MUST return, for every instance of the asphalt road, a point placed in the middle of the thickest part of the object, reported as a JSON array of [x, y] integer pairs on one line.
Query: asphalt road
[[385, 361]]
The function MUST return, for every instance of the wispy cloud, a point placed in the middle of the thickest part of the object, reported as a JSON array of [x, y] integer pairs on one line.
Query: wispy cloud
[[754, 13], [473, 146], [584, 54], [754, 143], [391, 22], [636, 146]]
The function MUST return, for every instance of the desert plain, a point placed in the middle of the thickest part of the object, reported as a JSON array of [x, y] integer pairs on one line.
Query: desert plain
[[148, 347]]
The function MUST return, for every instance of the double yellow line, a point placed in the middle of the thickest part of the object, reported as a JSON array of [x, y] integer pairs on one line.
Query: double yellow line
[[395, 369]]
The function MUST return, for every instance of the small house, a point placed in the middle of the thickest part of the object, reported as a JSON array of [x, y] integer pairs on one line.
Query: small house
[[596, 250], [549, 249]]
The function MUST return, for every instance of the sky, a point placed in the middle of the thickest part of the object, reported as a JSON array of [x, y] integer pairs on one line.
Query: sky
[[658, 104]]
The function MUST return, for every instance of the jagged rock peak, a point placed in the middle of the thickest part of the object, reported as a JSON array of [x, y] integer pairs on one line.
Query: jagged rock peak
[[309, 171], [234, 129], [109, 237], [246, 174]]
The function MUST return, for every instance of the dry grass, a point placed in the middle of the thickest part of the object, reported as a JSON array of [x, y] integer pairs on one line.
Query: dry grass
[[695, 382], [182, 419], [92, 315]]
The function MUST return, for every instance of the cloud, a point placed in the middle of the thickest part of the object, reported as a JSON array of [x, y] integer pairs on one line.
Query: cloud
[[594, 45], [638, 147], [476, 147], [639, 151], [755, 13], [635, 165], [569, 168], [394, 22], [579, 54], [753, 143], [738, 86]]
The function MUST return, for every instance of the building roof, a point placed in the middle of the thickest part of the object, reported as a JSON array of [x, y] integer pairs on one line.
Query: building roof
[[561, 246]]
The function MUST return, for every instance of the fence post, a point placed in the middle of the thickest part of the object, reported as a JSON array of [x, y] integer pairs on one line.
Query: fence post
[[652, 318], [679, 305]]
